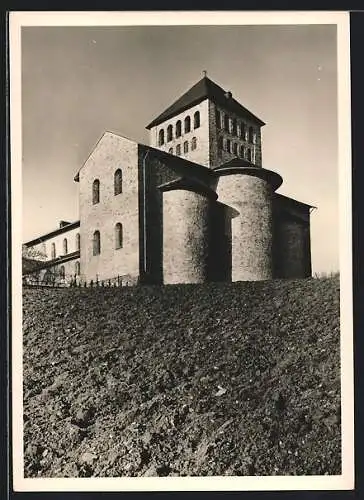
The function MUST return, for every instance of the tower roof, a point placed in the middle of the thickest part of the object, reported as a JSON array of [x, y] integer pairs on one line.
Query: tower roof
[[204, 89]]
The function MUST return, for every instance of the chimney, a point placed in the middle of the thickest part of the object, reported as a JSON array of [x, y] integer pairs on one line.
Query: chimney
[[63, 223]]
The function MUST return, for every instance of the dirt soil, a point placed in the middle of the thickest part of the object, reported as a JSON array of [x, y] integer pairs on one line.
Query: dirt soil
[[223, 379]]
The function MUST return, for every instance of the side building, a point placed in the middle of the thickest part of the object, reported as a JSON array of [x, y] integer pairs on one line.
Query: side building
[[55, 256]]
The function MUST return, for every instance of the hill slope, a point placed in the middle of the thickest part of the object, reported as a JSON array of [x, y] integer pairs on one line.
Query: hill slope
[[227, 379]]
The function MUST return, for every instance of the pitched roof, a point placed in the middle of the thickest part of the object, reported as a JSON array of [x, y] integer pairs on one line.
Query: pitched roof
[[236, 162], [189, 184], [204, 89], [55, 232]]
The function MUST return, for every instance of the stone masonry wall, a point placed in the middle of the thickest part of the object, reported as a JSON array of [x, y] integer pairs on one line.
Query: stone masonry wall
[[159, 171], [291, 238], [217, 156], [185, 237], [112, 152], [45, 248], [201, 153], [292, 252], [251, 228]]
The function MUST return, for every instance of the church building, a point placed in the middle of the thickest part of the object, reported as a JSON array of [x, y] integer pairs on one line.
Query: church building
[[194, 206]]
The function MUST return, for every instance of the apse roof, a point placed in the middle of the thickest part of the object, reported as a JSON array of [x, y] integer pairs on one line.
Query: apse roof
[[204, 89]]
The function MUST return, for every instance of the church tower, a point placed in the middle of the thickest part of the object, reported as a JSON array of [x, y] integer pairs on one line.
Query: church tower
[[208, 126]]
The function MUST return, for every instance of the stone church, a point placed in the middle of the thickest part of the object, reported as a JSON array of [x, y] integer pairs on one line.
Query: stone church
[[194, 206]]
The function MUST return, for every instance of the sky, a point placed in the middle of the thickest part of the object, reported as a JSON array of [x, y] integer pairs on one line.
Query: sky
[[78, 82]]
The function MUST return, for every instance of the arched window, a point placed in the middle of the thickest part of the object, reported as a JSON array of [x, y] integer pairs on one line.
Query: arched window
[[226, 123], [234, 127], [78, 241], [228, 145], [235, 149], [118, 182], [118, 235], [161, 138], [249, 154], [242, 151], [96, 191], [178, 150], [185, 147], [251, 135], [220, 143], [77, 268], [65, 246], [96, 243], [196, 119], [62, 272], [218, 119], [53, 251], [242, 130], [170, 151], [193, 143], [169, 133], [187, 124], [178, 128]]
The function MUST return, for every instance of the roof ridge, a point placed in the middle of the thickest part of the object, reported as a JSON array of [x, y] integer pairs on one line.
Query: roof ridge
[[205, 88]]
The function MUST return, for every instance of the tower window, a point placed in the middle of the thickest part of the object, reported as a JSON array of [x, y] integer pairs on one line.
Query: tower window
[[118, 182], [193, 143], [96, 243], [178, 150], [226, 122], [242, 151], [169, 133], [242, 130], [235, 149], [96, 191], [170, 151], [218, 119], [118, 235], [78, 241], [161, 138], [234, 127], [178, 128], [187, 124], [62, 272], [228, 145], [53, 251], [65, 246], [185, 147], [249, 154], [196, 119], [220, 143], [77, 268], [251, 135]]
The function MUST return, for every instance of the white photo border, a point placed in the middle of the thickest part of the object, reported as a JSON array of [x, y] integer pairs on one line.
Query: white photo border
[[345, 481]]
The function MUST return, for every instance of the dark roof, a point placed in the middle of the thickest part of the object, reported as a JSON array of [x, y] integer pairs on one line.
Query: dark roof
[[47, 236], [32, 265], [236, 162], [292, 201], [190, 168], [241, 166], [189, 184], [204, 89]]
